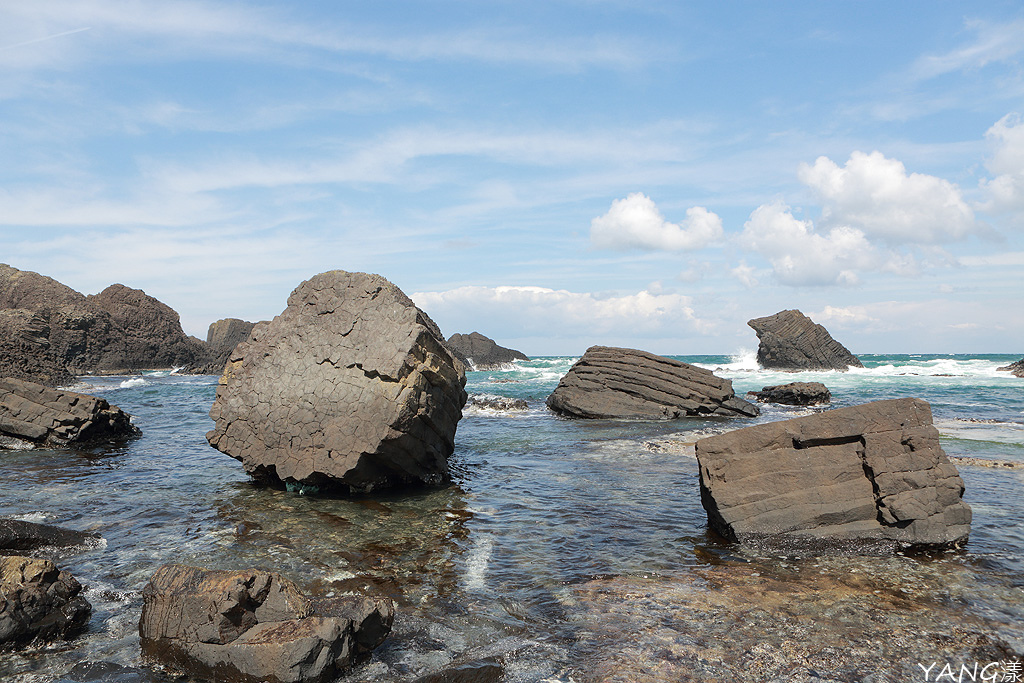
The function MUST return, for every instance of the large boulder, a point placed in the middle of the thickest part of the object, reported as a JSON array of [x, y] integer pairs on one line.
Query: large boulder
[[350, 388], [253, 625], [34, 416], [869, 472], [482, 353], [794, 394], [789, 340], [1016, 368], [626, 383], [19, 536], [39, 602]]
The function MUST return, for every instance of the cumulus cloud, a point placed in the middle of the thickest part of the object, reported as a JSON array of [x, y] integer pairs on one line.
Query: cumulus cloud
[[636, 223], [1005, 191], [874, 196]]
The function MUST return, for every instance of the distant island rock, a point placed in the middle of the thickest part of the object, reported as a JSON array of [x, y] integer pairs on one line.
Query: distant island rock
[[872, 472], [612, 382], [483, 353], [1016, 368], [351, 388], [789, 340], [794, 394]]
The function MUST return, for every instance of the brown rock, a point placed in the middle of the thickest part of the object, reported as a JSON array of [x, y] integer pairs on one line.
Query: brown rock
[[872, 472], [795, 394], [25, 351], [39, 602], [626, 383], [789, 340], [221, 339], [1016, 368]]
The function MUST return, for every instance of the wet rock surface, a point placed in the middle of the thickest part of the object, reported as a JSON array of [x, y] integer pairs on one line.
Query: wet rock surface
[[483, 353], [252, 625], [18, 536], [612, 382], [789, 340], [873, 471], [34, 416], [350, 388], [39, 602], [1016, 368], [794, 394], [491, 402]]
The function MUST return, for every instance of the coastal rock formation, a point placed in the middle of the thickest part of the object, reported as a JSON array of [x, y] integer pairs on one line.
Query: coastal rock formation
[[795, 394], [482, 353], [351, 388], [252, 625], [34, 416], [789, 340], [1016, 368], [221, 339], [626, 383], [869, 472], [18, 536], [491, 402], [25, 351], [39, 602]]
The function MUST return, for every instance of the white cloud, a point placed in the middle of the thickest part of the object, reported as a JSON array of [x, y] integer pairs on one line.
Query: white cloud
[[876, 197], [995, 42], [1006, 189], [746, 275], [636, 223]]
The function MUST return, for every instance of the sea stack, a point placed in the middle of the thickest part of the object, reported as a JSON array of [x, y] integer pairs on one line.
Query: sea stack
[[612, 382], [351, 388], [789, 340], [871, 472], [483, 353]]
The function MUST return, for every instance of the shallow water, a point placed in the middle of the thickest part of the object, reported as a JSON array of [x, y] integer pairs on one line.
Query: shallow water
[[565, 550]]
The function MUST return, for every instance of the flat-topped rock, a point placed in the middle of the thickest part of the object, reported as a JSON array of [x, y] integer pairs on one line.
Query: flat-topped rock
[[612, 382], [483, 353], [252, 625], [34, 416], [794, 394], [18, 536], [350, 388], [39, 602], [872, 472], [789, 340]]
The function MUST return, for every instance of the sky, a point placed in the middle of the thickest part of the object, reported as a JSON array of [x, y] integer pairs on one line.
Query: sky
[[552, 174]]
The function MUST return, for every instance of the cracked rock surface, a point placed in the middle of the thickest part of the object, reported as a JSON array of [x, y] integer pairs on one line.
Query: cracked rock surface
[[350, 388], [611, 382], [869, 472]]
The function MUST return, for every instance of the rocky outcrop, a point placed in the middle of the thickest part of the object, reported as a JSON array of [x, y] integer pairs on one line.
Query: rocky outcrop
[[626, 383], [34, 416], [794, 394], [25, 351], [482, 353], [493, 403], [350, 388], [789, 340], [39, 602], [221, 339], [253, 625], [1016, 368], [18, 536], [869, 472]]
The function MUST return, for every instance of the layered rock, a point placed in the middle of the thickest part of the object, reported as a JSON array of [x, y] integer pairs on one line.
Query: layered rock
[[789, 340], [794, 394], [626, 383], [869, 472], [34, 416], [482, 353], [1016, 368], [39, 602], [253, 625], [18, 536], [351, 388], [25, 351]]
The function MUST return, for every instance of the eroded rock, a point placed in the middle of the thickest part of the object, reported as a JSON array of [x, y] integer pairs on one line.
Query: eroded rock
[[483, 353], [1016, 368], [39, 602], [795, 394], [789, 340]]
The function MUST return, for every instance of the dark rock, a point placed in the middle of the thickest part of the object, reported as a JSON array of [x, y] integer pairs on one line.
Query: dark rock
[[484, 671], [1016, 368], [626, 383], [481, 352], [34, 416], [349, 388], [221, 339], [497, 403], [25, 351], [17, 536], [253, 625], [39, 602], [869, 472], [795, 394], [789, 340]]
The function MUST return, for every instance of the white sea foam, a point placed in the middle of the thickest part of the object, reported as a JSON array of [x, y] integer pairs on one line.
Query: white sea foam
[[477, 563], [133, 382]]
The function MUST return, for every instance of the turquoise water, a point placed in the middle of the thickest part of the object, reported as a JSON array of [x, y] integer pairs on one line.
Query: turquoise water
[[565, 550]]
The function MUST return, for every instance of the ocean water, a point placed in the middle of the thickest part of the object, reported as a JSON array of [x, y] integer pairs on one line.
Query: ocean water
[[564, 550]]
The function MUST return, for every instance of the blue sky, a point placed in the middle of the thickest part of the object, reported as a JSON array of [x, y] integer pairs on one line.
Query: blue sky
[[552, 174]]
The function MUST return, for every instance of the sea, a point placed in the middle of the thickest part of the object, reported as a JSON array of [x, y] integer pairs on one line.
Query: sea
[[563, 551]]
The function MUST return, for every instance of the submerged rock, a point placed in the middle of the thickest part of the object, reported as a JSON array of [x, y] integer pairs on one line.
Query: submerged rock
[[1016, 368], [626, 383], [869, 472], [350, 388], [795, 394], [39, 602], [496, 403], [17, 536], [252, 625], [789, 340], [483, 353], [34, 416]]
